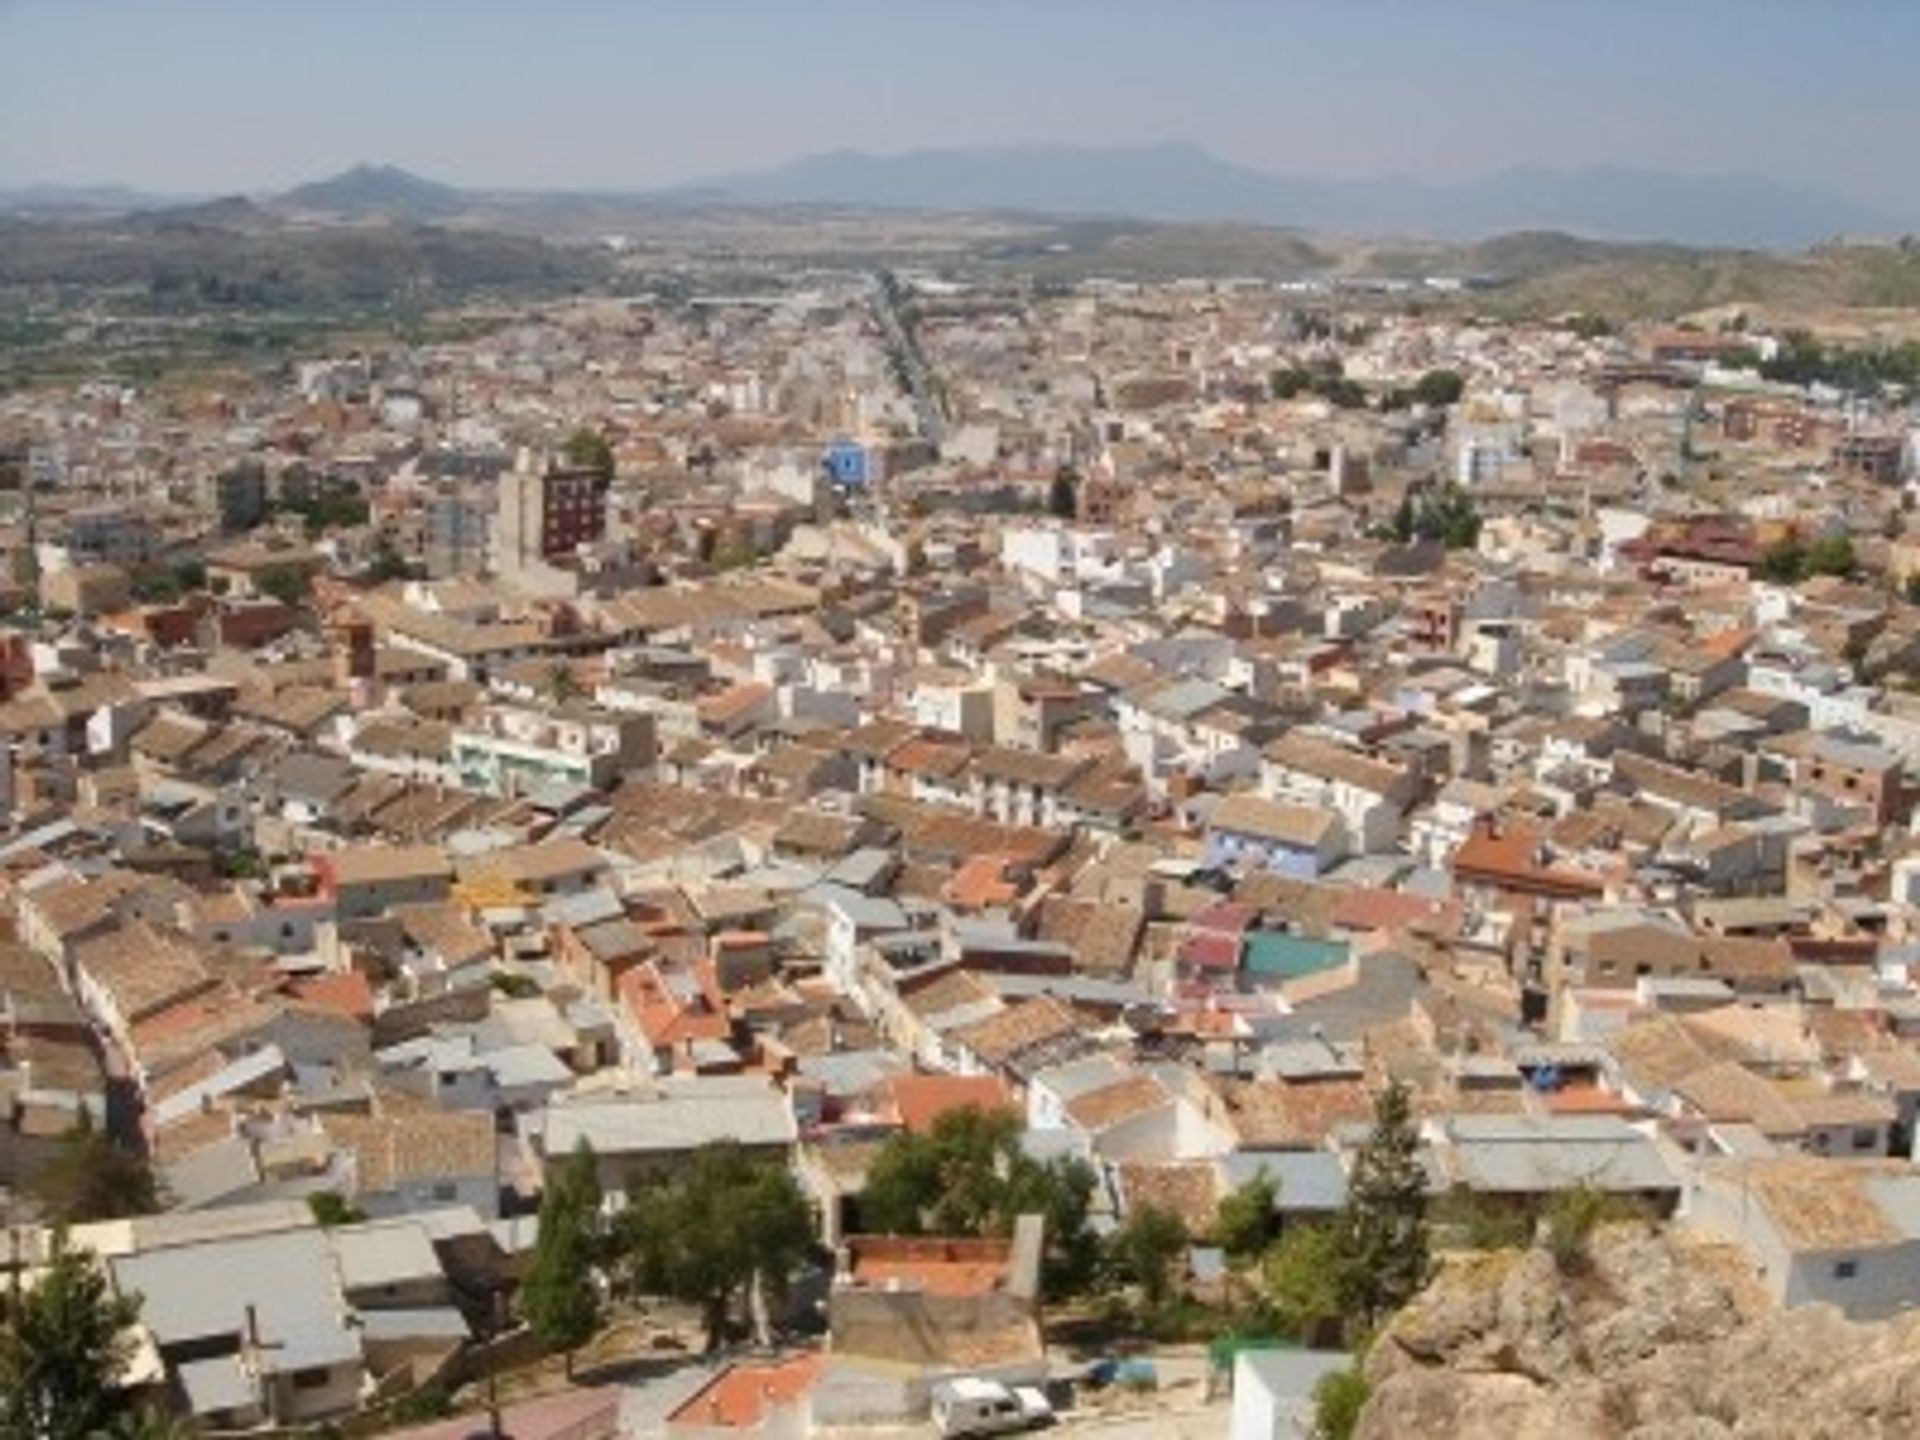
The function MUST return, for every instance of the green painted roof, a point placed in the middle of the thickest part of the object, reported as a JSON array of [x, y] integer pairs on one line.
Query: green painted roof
[[1276, 955]]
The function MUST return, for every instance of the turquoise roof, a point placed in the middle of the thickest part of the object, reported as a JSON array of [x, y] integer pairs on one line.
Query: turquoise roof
[[1276, 955]]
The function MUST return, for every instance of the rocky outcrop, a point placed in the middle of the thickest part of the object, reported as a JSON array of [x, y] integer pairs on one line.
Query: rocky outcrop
[[1655, 1338]]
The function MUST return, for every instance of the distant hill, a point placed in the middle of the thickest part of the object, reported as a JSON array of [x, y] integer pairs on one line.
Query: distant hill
[[1182, 182], [1539, 273], [233, 253], [80, 199], [376, 190]]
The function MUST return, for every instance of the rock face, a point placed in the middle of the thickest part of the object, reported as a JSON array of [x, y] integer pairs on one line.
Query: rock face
[[1655, 1339]]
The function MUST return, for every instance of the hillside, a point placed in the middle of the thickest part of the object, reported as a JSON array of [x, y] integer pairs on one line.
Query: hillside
[[232, 254], [1544, 273], [1179, 181], [369, 190], [1656, 1340]]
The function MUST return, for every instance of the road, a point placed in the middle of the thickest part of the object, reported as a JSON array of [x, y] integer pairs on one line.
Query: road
[[926, 401]]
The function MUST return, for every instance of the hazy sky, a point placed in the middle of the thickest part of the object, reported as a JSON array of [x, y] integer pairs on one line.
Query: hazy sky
[[226, 95]]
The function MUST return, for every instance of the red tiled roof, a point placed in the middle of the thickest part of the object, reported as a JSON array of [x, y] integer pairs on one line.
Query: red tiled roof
[[739, 1397], [347, 992], [1367, 908], [1210, 950], [922, 1099], [939, 1265]]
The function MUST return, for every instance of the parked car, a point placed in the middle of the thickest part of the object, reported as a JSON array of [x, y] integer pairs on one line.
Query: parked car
[[975, 1406]]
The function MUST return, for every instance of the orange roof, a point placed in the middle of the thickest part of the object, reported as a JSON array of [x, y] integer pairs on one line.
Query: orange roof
[[938, 1265], [982, 882], [1364, 907], [1586, 1100], [739, 1397], [667, 1019], [922, 1099], [347, 992], [1728, 643], [731, 704], [921, 756], [1514, 857]]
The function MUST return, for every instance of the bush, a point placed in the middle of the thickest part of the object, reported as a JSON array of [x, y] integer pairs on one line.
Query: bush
[[429, 1402], [1570, 1220], [1338, 1399]]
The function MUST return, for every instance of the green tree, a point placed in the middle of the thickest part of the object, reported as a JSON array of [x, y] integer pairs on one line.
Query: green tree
[[969, 1176], [387, 563], [560, 1300], [1383, 1225], [1063, 497], [948, 1181], [1439, 387], [1247, 1222], [155, 585], [588, 449], [63, 1345], [1338, 1398], [1404, 520], [1830, 555], [90, 1177], [1287, 383], [1301, 1277], [151, 1422], [286, 583], [1571, 1218], [1784, 562], [1341, 393], [1144, 1251], [724, 1228], [562, 684], [1447, 515]]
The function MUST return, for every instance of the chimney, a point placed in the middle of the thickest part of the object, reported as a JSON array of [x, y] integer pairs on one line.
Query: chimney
[[1023, 1263]]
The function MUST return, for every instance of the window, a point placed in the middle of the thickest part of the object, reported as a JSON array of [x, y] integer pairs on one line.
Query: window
[[445, 1190], [1865, 1137], [315, 1377], [1845, 1269]]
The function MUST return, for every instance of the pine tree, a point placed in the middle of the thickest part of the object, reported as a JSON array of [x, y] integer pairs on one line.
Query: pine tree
[[1245, 1223], [729, 1225], [1383, 1226], [560, 1300], [63, 1345], [1063, 497], [968, 1175], [1144, 1252]]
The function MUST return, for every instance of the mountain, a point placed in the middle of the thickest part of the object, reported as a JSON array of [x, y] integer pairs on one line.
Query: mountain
[[80, 199], [366, 191], [234, 254], [1178, 181]]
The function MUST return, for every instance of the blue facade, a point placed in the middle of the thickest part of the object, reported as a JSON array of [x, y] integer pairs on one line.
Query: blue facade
[[1228, 849], [846, 464]]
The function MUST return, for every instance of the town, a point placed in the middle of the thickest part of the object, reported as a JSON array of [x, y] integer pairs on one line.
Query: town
[[918, 852]]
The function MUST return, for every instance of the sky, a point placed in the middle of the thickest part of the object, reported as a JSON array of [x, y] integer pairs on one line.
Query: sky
[[226, 96]]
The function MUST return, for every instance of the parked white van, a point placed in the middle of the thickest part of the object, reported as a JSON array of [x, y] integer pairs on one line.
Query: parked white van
[[973, 1406]]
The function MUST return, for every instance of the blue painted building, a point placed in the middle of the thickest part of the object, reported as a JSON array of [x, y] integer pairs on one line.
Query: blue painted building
[[847, 464], [1246, 832]]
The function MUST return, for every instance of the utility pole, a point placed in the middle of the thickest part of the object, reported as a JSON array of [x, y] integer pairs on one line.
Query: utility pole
[[496, 1319]]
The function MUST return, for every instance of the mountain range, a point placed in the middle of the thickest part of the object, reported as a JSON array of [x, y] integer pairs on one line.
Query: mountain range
[[1174, 182], [1182, 182]]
